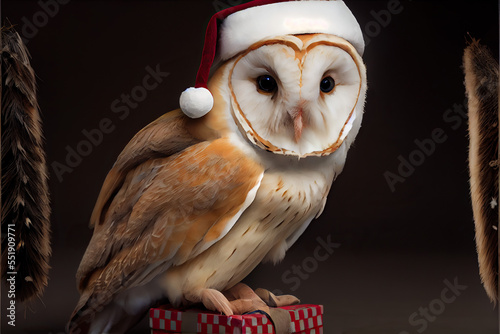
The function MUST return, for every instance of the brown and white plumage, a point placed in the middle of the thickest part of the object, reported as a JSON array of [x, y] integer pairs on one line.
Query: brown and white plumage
[[193, 206], [481, 81], [161, 208], [25, 194]]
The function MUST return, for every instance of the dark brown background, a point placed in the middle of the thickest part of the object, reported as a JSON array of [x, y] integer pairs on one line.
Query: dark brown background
[[396, 248]]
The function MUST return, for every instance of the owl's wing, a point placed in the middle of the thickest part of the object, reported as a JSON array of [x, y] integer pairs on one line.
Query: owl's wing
[[164, 212], [165, 136]]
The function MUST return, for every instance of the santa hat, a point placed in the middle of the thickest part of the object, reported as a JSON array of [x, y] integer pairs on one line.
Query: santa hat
[[242, 26]]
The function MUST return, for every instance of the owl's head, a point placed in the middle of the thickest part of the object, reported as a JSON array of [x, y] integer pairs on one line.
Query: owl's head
[[292, 78], [299, 95]]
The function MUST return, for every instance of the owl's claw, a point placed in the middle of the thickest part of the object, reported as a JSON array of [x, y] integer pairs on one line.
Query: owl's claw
[[215, 301], [242, 299], [276, 301], [239, 299]]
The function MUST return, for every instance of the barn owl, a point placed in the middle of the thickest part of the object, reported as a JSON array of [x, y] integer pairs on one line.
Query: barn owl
[[193, 205]]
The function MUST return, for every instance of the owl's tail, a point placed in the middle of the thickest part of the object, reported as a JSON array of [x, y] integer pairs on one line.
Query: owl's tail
[[25, 212], [481, 81]]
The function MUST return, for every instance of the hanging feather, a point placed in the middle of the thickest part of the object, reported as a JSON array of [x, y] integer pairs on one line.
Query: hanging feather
[[481, 81], [25, 196]]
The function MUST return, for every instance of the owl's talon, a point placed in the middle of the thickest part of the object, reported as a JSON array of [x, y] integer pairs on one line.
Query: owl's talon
[[242, 306], [215, 301], [243, 299], [276, 301]]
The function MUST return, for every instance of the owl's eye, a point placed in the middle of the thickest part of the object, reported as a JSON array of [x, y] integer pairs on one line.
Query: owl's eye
[[327, 85], [267, 83]]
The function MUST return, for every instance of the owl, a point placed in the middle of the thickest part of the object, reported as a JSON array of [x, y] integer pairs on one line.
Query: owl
[[193, 204]]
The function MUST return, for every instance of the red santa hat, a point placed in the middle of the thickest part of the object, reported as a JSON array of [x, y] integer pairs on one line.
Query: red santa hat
[[242, 26]]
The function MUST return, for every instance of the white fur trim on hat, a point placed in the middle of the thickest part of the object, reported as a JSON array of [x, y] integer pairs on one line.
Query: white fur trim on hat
[[196, 102], [242, 29]]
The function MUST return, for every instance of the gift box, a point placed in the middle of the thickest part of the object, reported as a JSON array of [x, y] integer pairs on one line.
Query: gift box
[[304, 319]]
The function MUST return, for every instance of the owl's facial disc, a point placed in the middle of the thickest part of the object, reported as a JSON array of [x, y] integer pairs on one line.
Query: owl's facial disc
[[298, 95]]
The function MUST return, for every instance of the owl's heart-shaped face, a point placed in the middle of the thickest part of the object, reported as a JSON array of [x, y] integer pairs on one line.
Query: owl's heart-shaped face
[[298, 95]]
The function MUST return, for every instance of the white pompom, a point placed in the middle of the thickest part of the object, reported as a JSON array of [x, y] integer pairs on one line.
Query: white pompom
[[196, 102]]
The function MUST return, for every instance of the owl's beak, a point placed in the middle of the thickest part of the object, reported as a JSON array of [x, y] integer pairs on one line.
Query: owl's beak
[[298, 124]]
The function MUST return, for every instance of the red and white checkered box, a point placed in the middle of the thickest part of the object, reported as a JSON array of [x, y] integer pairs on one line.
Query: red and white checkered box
[[304, 319]]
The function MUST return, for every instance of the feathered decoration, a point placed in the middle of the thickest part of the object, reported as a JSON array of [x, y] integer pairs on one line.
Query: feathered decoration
[[481, 81], [25, 196]]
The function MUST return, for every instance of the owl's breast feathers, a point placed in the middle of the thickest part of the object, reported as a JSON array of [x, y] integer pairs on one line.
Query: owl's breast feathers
[[168, 197], [286, 202]]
